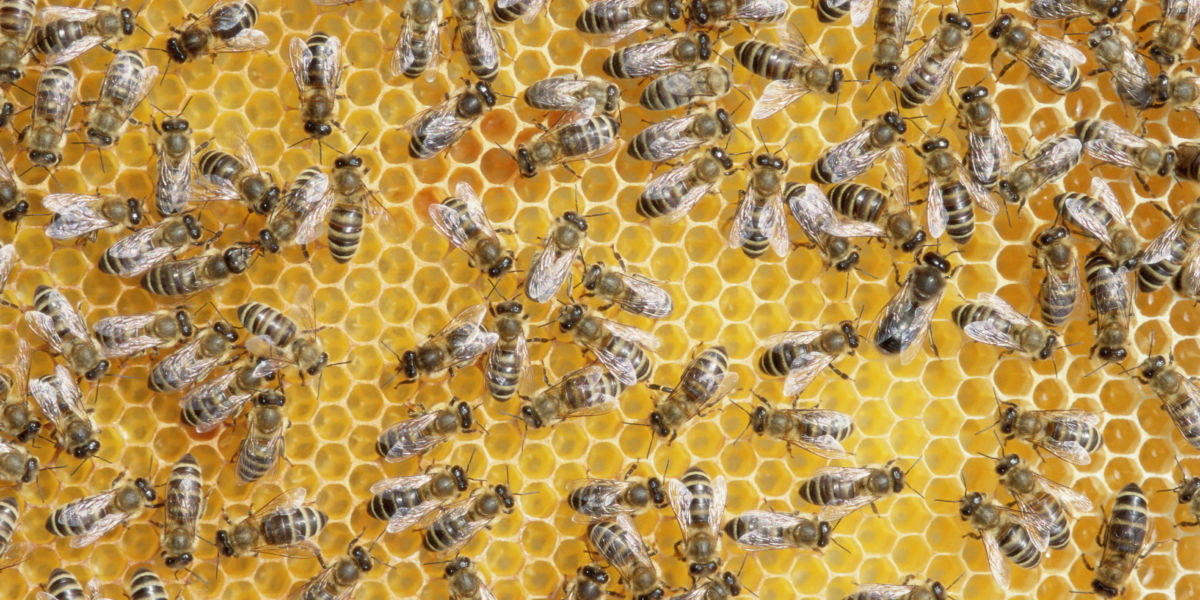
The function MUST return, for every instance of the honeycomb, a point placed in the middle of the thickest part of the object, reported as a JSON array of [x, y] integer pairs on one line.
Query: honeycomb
[[406, 282]]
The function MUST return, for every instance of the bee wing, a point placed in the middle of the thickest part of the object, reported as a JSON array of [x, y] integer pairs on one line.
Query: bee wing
[[896, 167], [474, 207], [74, 215], [815, 214], [848, 159], [401, 483], [661, 185], [1191, 16], [53, 13], [1109, 145], [633, 541], [681, 501], [183, 366], [880, 591], [70, 318], [520, 354], [613, 10], [556, 93], [45, 395], [264, 447], [778, 95], [479, 339], [1075, 210], [299, 56], [911, 328], [223, 410], [1189, 276], [213, 189], [1079, 503], [439, 126], [667, 139], [1071, 417], [1056, 59], [997, 564], [649, 58], [913, 62], [43, 326], [1053, 10], [548, 272], [642, 338], [860, 11], [1117, 297], [285, 500], [448, 222], [760, 10], [532, 10], [1104, 194], [976, 191], [825, 446], [775, 222], [76, 49], [249, 40], [803, 370], [716, 508], [1133, 74], [1163, 245], [456, 512], [603, 497], [141, 254], [936, 217], [645, 298], [15, 554], [798, 337], [409, 440], [115, 327], [1005, 309], [765, 532], [989, 155], [403, 56], [101, 527], [317, 200], [486, 40], [588, 377]]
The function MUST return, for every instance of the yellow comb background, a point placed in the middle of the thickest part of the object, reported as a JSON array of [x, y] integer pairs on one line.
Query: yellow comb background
[[406, 282]]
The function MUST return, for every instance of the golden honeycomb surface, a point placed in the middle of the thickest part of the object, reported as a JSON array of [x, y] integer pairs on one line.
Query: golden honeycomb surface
[[406, 282]]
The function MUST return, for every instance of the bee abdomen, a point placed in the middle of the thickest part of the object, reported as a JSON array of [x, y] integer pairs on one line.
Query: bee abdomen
[[766, 60], [1046, 507], [260, 319], [345, 232], [1016, 543], [1127, 525], [288, 527], [386, 503], [504, 373], [960, 222], [1152, 276], [443, 534], [829, 11], [145, 585], [777, 360], [825, 490]]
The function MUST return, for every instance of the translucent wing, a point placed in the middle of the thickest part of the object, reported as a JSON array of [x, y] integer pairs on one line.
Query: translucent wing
[[1054, 62], [456, 512], [45, 395], [838, 507], [619, 365], [905, 320], [549, 270], [681, 501], [642, 338], [1117, 297], [766, 527], [140, 251], [997, 564], [470, 340], [403, 56], [936, 217], [603, 497], [975, 191], [849, 158], [185, 366], [520, 354], [453, 224], [224, 405], [439, 127], [999, 329], [804, 366], [16, 554], [43, 326], [879, 591], [97, 531], [406, 517], [531, 11], [824, 445], [249, 40], [762, 11], [261, 447], [557, 93], [612, 10], [1076, 210], [667, 139], [815, 214], [1189, 276], [66, 315], [860, 11], [75, 49], [596, 402], [1182, 409], [1054, 10], [990, 155], [74, 215], [1132, 76], [632, 542], [778, 95], [215, 189], [1110, 145], [662, 185], [484, 38], [1104, 194], [115, 328], [645, 298], [408, 439], [310, 198], [1077, 502], [54, 13], [649, 58], [299, 56], [941, 76], [284, 501], [897, 171], [1163, 245]]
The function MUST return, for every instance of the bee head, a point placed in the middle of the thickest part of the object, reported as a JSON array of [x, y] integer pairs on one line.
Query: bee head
[[723, 119], [180, 561], [974, 93], [17, 211], [1007, 463], [1003, 22], [847, 263], [657, 493], [657, 424], [1153, 366], [98, 137], [835, 81], [128, 21], [569, 317], [525, 162], [184, 320], [704, 43], [31, 469], [731, 583], [96, 371], [722, 157], [146, 488], [348, 160], [456, 565], [939, 591], [937, 261], [594, 572], [758, 420], [408, 364], [223, 544], [912, 243], [531, 418], [362, 558], [31, 430], [225, 331], [193, 227], [895, 121], [505, 496], [1008, 418], [135, 211], [266, 239], [591, 276], [575, 219], [1048, 349], [969, 504], [317, 128], [501, 267], [460, 478], [465, 418], [237, 259], [823, 531], [485, 90]]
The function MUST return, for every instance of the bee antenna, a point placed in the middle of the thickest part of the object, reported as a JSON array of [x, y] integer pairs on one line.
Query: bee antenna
[[359, 142], [839, 545], [1090, 373]]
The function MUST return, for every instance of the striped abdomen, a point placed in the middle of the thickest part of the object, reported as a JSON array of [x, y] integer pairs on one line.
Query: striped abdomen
[[260, 319], [1017, 544], [822, 490], [767, 60], [960, 215], [580, 139], [1152, 276], [777, 360], [1066, 431], [503, 371], [216, 164], [287, 527], [345, 230], [145, 585], [1048, 508], [858, 201], [10, 512], [1126, 530], [62, 585]]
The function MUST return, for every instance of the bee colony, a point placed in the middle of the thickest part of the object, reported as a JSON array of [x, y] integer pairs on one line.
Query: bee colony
[[243, 173]]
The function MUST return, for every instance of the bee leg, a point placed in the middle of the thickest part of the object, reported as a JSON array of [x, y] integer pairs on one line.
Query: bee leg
[[839, 372], [1163, 210], [1148, 25], [1142, 180], [1087, 564], [874, 509], [572, 171], [660, 388], [1182, 524]]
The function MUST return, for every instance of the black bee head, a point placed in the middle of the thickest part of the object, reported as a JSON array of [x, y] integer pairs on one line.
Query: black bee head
[[17, 211], [1007, 463], [98, 137], [408, 364], [657, 424], [485, 90], [128, 21], [135, 211], [223, 543], [594, 573], [146, 488], [758, 419], [1002, 24], [835, 81], [505, 496], [362, 558], [525, 162], [937, 261], [705, 46], [939, 591], [180, 561], [31, 430], [531, 418], [721, 156], [823, 531], [723, 119], [657, 493], [1048, 349], [317, 128], [266, 239], [895, 121], [185, 323], [31, 469], [456, 565], [95, 373], [460, 478], [974, 93], [465, 418], [501, 267], [968, 504], [193, 227], [1008, 418], [1153, 366], [569, 317]]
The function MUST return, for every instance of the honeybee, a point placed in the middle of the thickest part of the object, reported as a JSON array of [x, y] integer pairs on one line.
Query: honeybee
[[758, 220], [829, 11], [1167, 253], [418, 48], [458, 344], [579, 135], [478, 40], [285, 525], [11, 553], [1050, 162], [580, 393], [126, 335], [278, 337], [553, 261], [1187, 281], [991, 320], [794, 70], [723, 14], [61, 403], [508, 360], [300, 217], [65, 32], [78, 215], [699, 504], [226, 26], [188, 276], [464, 581], [756, 530], [62, 585], [824, 227], [686, 87], [1180, 395], [1186, 491], [840, 491], [705, 381], [1108, 142], [58, 323], [17, 466], [193, 362], [339, 580], [1037, 495], [633, 294], [564, 92], [1094, 10], [1179, 18], [1068, 434], [932, 590], [175, 169], [207, 405], [588, 584], [229, 178], [1059, 291], [893, 23], [1007, 535], [951, 192], [260, 450], [924, 76], [459, 522], [1053, 62], [1118, 55], [422, 431], [1179, 91], [1100, 216], [17, 419], [16, 25], [88, 519], [184, 504], [603, 498], [801, 355], [659, 55], [1112, 304], [616, 20], [907, 315], [125, 85], [850, 158], [988, 148], [145, 585], [13, 202], [1122, 541], [317, 68], [437, 128], [867, 204], [133, 254], [619, 543], [461, 220], [675, 137], [405, 501], [352, 204], [507, 11], [620, 348], [672, 195], [816, 430], [53, 103]]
